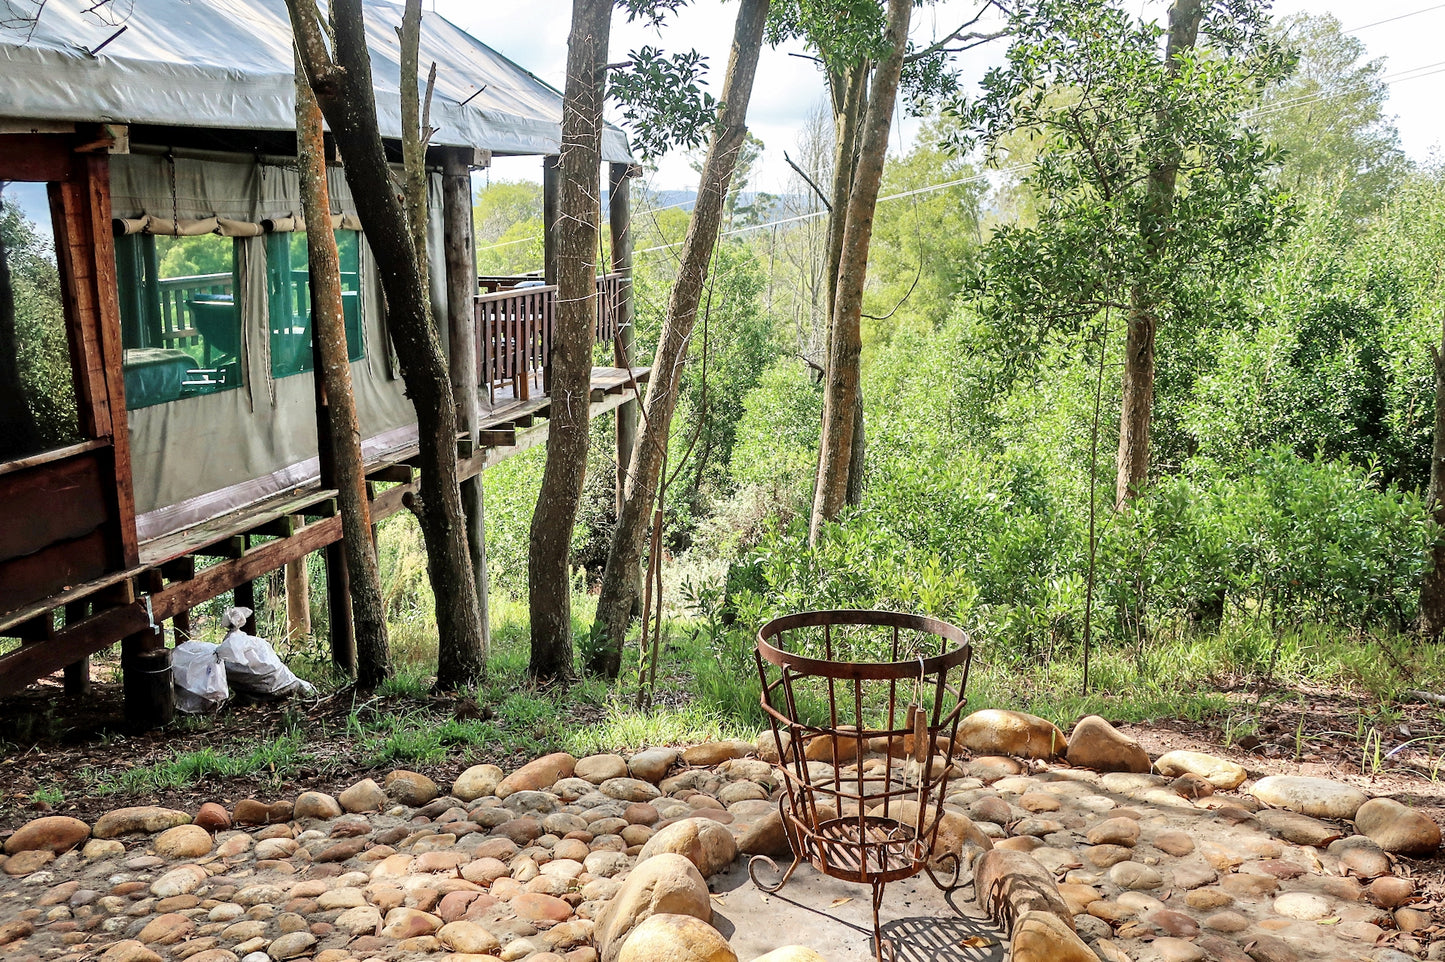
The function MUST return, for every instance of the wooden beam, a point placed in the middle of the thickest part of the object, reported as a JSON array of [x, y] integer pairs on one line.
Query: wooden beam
[[232, 547], [325, 508], [497, 438], [282, 527], [392, 474]]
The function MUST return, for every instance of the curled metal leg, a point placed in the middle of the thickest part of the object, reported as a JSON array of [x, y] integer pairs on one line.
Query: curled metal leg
[[883, 949], [771, 887], [949, 880]]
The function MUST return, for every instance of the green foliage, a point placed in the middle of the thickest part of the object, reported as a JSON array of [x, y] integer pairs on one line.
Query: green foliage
[[1088, 84], [661, 100], [1329, 117], [40, 349], [508, 225]]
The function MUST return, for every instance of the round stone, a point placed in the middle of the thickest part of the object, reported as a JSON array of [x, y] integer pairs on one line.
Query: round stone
[[1317, 797], [1304, 906]]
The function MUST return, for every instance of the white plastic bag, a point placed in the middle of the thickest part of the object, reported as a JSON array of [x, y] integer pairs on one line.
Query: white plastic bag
[[199, 677], [252, 665]]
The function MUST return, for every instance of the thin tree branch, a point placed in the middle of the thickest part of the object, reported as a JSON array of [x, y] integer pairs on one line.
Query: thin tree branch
[[803, 174]]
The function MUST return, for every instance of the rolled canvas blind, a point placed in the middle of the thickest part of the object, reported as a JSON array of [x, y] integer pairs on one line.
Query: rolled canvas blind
[[184, 227], [293, 223]]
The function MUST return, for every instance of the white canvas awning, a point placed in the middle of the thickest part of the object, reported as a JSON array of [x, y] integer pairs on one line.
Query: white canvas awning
[[228, 64]]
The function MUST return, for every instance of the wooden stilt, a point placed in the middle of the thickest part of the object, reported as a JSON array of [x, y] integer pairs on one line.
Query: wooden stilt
[[461, 265], [246, 598], [551, 205], [77, 673], [298, 600]]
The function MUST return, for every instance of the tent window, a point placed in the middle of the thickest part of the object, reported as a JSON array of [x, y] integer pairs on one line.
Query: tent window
[[180, 324], [288, 287], [38, 410]]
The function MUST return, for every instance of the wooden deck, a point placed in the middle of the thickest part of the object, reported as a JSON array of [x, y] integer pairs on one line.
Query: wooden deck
[[258, 539]]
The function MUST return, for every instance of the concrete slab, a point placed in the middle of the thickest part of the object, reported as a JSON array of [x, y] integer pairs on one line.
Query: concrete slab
[[835, 918]]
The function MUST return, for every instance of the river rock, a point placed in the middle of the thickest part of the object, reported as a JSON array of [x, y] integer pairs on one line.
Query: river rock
[[180, 881], [1390, 892], [476, 782], [1305, 906], [1317, 797], [212, 817], [765, 836], [653, 765], [469, 938], [1096, 744], [54, 833], [957, 835], [1397, 828], [291, 945], [410, 788], [791, 953], [364, 796], [183, 841], [539, 775], [599, 768], [1360, 856], [1044, 937], [667, 884], [1010, 883], [145, 818], [998, 732], [715, 753], [1219, 772], [629, 789], [675, 938], [1297, 828], [317, 805], [704, 842]]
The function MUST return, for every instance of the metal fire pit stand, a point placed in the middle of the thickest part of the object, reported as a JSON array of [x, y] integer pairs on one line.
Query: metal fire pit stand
[[888, 729]]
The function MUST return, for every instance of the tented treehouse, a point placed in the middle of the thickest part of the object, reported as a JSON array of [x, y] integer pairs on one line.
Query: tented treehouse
[[158, 411]]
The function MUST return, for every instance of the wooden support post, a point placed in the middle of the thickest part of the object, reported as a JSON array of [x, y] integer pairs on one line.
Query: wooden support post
[[461, 266], [298, 600], [245, 596], [551, 207], [145, 667], [77, 673], [624, 349], [181, 623]]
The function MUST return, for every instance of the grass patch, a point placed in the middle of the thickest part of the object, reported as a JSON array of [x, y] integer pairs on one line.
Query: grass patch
[[275, 760]]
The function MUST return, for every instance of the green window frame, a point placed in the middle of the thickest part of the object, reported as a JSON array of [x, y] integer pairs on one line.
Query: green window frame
[[181, 335], [288, 292]]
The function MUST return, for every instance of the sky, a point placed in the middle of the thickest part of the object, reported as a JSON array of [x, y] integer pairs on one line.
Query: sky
[[789, 88]]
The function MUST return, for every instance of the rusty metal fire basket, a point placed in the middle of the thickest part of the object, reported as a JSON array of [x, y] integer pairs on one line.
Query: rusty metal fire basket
[[864, 706]]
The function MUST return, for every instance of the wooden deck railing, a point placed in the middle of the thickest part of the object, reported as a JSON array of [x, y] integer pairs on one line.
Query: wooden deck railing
[[178, 324], [514, 329]]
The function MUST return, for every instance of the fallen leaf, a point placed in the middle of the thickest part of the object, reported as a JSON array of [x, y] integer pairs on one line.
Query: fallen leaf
[[837, 902], [720, 900], [975, 942]]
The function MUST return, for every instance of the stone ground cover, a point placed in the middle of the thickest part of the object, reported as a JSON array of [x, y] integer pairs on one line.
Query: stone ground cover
[[1080, 847]]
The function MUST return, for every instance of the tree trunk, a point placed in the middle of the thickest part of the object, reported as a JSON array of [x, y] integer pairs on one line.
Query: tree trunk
[[1432, 586], [849, 90], [549, 581], [1155, 222], [841, 395], [624, 554], [328, 332], [414, 138], [345, 92]]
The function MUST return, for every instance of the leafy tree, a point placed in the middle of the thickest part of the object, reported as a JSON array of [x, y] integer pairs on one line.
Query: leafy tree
[[37, 389], [1329, 116], [508, 219], [1152, 187]]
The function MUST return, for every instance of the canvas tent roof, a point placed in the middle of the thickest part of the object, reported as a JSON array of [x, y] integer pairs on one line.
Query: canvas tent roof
[[228, 64]]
